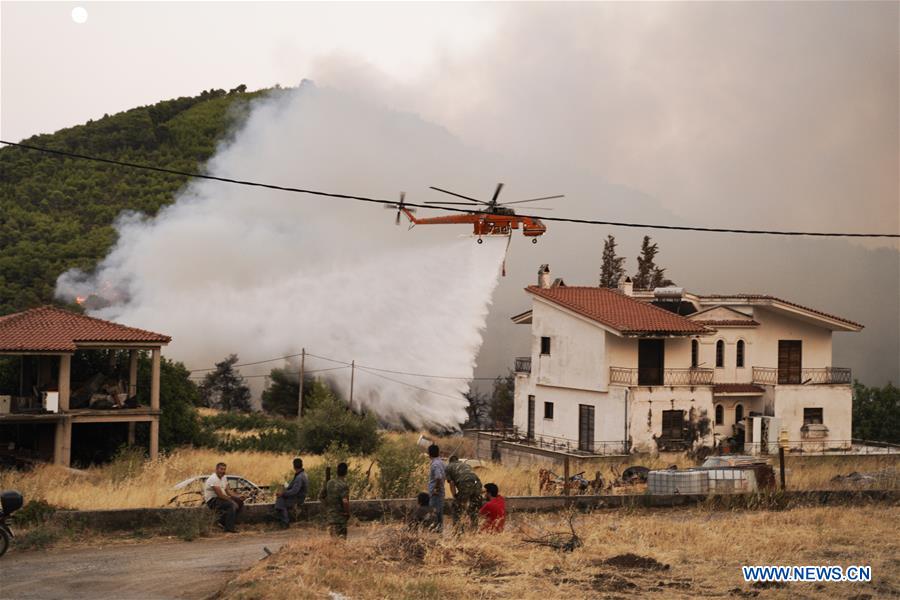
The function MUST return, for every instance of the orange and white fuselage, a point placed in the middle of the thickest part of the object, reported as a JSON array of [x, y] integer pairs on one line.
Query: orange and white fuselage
[[485, 223]]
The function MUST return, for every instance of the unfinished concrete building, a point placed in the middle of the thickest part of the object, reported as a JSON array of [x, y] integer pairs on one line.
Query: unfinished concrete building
[[70, 383]]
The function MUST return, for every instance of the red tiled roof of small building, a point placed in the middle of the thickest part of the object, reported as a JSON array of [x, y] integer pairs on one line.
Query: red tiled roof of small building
[[783, 301], [52, 329], [619, 311]]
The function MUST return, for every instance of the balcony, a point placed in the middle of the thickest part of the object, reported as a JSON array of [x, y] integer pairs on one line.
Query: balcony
[[824, 375], [652, 376], [523, 364]]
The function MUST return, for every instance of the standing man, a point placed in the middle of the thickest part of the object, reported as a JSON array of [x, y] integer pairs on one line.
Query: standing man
[[466, 489], [219, 498], [436, 478], [293, 495], [336, 500]]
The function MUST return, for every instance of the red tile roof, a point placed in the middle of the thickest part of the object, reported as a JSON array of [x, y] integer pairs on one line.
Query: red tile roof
[[51, 329], [727, 322], [618, 311], [737, 388], [767, 298]]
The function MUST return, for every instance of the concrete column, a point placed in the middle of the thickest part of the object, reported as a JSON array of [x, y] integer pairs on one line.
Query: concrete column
[[65, 374], [132, 372], [154, 380], [154, 438], [62, 450]]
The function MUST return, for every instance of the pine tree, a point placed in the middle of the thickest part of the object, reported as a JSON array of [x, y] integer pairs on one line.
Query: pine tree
[[224, 388], [649, 275], [612, 269]]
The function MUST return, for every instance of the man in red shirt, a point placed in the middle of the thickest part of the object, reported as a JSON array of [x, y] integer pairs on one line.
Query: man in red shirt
[[494, 510]]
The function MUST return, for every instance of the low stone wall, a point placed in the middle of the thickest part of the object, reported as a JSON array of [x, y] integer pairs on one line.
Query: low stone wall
[[510, 454], [367, 510]]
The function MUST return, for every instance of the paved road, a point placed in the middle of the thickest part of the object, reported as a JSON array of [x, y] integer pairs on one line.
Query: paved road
[[151, 570]]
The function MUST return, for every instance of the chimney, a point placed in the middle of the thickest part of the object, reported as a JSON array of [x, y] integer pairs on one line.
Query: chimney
[[626, 287], [544, 277]]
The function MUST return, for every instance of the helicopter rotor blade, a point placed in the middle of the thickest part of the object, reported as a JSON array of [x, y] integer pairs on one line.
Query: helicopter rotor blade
[[458, 195], [456, 203], [536, 199], [496, 193]]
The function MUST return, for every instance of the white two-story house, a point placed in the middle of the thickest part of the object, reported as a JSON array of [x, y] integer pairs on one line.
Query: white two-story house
[[615, 371]]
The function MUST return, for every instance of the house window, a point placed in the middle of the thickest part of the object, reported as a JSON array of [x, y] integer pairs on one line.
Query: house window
[[548, 410], [720, 415], [720, 354], [545, 345], [738, 413], [812, 416], [672, 424], [740, 353], [695, 353]]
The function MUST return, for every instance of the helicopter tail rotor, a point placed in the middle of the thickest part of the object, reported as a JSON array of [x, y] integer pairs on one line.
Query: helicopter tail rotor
[[401, 207]]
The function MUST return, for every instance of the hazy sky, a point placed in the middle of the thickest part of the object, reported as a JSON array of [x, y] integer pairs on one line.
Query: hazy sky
[[745, 114]]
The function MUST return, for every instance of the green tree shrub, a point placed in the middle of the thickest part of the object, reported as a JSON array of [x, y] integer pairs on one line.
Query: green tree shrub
[[402, 469]]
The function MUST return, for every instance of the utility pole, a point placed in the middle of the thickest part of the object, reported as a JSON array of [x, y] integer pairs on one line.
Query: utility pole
[[302, 369], [352, 374]]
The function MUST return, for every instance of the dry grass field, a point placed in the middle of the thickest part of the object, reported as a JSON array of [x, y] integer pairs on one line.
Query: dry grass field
[[676, 553], [134, 483]]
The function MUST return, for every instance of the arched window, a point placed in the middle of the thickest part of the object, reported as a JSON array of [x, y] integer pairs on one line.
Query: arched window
[[720, 415], [695, 353], [740, 353], [720, 353], [738, 413]]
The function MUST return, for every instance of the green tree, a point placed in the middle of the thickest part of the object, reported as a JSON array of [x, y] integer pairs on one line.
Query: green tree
[[876, 413], [281, 398], [649, 275], [330, 421], [612, 268], [224, 388], [178, 396], [502, 400]]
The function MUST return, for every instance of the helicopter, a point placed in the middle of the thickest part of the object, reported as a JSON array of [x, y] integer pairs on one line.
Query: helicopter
[[494, 219]]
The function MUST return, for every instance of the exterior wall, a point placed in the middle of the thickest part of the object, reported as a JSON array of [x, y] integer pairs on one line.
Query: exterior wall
[[609, 412], [646, 406], [834, 400], [729, 403], [577, 356], [816, 352], [621, 352]]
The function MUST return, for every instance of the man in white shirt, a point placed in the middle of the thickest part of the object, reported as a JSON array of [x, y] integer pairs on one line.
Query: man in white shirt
[[219, 498]]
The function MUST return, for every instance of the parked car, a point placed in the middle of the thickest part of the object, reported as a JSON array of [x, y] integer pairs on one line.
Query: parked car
[[190, 491]]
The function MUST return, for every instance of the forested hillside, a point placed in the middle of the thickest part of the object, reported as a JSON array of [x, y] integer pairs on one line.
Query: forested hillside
[[57, 213]]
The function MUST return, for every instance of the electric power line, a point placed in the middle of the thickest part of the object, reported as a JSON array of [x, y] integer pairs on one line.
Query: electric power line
[[446, 208], [408, 384]]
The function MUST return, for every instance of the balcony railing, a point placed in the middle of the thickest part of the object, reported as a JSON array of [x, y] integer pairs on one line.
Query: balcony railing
[[654, 376], [825, 375], [523, 364]]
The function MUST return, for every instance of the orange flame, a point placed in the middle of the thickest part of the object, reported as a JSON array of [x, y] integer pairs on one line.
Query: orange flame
[[80, 299]]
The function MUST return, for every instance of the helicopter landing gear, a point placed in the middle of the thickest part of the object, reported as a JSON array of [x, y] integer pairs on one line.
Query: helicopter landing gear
[[534, 240], [479, 241]]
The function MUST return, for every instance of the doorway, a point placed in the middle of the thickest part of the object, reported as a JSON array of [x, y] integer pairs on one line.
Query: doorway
[[790, 361], [585, 428], [651, 355]]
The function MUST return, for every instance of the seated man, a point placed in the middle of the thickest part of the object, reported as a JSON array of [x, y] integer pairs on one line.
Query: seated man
[[219, 498], [423, 517], [494, 510], [293, 495]]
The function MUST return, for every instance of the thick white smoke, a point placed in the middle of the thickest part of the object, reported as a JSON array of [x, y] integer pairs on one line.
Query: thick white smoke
[[263, 273]]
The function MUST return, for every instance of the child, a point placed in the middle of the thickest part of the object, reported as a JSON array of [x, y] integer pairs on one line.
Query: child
[[423, 517]]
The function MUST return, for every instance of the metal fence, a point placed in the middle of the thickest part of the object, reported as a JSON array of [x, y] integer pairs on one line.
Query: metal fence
[[655, 376], [824, 375], [561, 444], [822, 447]]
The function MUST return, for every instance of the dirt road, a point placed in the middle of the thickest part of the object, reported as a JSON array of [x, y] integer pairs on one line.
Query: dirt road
[[150, 570]]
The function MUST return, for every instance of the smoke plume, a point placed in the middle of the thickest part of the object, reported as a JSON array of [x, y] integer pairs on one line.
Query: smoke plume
[[263, 273]]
